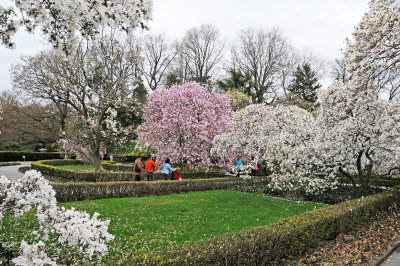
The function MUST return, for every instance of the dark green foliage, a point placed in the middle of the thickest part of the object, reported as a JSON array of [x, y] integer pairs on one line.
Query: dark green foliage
[[23, 169], [172, 79], [103, 190], [341, 194], [10, 156], [268, 245], [237, 80], [305, 83], [383, 182]]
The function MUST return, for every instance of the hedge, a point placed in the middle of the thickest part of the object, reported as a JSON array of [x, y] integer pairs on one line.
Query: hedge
[[387, 182], [10, 156], [268, 245], [120, 172], [66, 192]]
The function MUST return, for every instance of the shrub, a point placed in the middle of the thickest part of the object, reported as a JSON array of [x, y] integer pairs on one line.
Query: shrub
[[337, 195], [269, 244], [102, 190], [383, 182], [9, 156], [120, 172]]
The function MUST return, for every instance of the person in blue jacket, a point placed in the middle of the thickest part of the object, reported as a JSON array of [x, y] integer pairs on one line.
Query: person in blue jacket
[[237, 164], [166, 169]]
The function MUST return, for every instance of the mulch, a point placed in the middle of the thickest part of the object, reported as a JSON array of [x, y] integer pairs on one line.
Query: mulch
[[366, 246]]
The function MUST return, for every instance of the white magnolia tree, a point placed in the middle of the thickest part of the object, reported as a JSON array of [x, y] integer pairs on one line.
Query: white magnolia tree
[[358, 134], [73, 229], [65, 22], [375, 44], [277, 137]]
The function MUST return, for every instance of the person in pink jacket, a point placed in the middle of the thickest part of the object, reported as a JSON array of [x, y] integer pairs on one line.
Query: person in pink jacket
[[138, 168]]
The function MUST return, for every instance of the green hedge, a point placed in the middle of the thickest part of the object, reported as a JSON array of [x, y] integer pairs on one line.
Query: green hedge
[[268, 245], [48, 168], [102, 190], [10, 156], [120, 172], [387, 182]]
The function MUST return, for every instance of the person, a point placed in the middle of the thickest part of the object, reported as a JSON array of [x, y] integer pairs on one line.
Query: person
[[254, 166], [138, 168], [237, 165], [167, 169], [149, 166]]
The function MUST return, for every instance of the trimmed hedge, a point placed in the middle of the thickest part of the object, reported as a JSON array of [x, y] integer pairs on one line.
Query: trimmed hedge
[[66, 192], [387, 182], [10, 156], [268, 245], [48, 168], [120, 172], [9, 163]]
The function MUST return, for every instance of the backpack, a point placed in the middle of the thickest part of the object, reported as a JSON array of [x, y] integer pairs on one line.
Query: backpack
[[137, 169]]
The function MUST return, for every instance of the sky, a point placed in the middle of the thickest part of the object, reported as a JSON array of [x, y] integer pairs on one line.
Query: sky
[[320, 26]]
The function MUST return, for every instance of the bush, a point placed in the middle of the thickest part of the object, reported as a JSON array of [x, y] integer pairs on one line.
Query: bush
[[103, 190], [9, 163], [10, 156], [119, 172], [12, 146], [48, 168], [268, 245], [340, 194], [383, 182]]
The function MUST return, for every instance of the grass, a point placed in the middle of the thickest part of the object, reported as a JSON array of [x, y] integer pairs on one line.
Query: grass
[[152, 222], [78, 167]]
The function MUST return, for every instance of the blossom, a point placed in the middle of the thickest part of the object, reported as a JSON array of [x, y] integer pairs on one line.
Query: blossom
[[181, 122]]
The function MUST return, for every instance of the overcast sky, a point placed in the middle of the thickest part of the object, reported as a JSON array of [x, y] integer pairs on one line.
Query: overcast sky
[[317, 25]]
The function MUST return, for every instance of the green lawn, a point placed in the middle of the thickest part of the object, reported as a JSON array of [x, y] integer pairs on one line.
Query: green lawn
[[79, 167], [151, 222]]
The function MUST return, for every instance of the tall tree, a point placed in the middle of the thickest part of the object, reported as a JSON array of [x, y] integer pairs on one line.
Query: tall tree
[[305, 83], [236, 80], [375, 47], [158, 55], [97, 83], [260, 54], [201, 49]]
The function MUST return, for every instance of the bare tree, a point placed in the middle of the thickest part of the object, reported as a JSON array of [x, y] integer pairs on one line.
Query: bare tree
[[200, 51], [338, 70], [158, 55], [41, 77], [261, 53]]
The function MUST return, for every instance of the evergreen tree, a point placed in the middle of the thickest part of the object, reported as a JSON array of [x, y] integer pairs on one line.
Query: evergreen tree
[[237, 80], [305, 83]]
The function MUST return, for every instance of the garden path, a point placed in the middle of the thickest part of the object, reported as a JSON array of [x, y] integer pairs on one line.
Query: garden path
[[394, 259], [11, 171]]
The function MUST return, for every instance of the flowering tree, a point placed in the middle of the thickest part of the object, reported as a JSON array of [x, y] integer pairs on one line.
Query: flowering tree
[[70, 228], [278, 138], [97, 84], [375, 47], [358, 134], [64, 22], [181, 122]]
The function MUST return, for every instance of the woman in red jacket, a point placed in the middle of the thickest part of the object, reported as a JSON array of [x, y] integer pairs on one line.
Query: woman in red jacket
[[149, 167]]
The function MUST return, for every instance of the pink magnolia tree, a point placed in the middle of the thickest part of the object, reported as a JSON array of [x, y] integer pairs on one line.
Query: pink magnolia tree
[[181, 122]]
